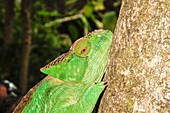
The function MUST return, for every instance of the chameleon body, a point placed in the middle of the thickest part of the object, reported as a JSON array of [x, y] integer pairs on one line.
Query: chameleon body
[[74, 81]]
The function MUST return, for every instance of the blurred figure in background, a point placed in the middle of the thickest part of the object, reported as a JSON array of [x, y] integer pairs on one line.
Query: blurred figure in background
[[10, 96]]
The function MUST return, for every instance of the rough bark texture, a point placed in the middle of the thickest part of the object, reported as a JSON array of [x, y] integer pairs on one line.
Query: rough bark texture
[[138, 72], [26, 24]]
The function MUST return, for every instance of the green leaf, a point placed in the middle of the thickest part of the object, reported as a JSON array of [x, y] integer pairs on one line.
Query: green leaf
[[88, 10], [109, 20], [73, 31], [86, 24], [98, 23], [46, 13], [98, 5], [116, 4], [43, 13], [69, 2]]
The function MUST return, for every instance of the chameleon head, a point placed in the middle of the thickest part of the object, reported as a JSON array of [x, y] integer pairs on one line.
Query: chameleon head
[[95, 47], [85, 61]]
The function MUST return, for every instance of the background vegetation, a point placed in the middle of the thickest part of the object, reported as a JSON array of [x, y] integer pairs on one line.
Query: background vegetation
[[55, 25]]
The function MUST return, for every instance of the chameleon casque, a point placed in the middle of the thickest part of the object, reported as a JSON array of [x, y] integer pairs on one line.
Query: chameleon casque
[[73, 84]]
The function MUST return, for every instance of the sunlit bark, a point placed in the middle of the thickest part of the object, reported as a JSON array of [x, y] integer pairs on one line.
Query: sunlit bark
[[138, 72]]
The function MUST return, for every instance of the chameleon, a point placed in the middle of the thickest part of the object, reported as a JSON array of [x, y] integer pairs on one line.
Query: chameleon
[[74, 80]]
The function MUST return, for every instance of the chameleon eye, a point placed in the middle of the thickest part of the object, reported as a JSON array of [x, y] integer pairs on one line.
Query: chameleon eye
[[82, 47]]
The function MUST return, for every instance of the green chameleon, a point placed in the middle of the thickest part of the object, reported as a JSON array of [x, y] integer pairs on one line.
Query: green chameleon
[[74, 82]]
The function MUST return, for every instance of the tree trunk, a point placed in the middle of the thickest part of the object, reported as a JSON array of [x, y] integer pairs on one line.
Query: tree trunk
[[138, 72], [26, 25], [9, 14]]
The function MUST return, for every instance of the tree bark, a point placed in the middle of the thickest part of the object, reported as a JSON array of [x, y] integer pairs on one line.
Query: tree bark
[[26, 25], [138, 72], [9, 14]]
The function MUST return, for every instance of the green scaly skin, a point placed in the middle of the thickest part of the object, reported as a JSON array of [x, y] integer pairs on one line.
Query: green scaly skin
[[75, 84]]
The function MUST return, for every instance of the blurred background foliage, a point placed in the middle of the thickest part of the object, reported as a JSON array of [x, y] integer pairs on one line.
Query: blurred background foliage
[[56, 24]]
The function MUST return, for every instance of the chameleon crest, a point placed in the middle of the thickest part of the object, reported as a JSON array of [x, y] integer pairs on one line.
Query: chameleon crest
[[74, 81]]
